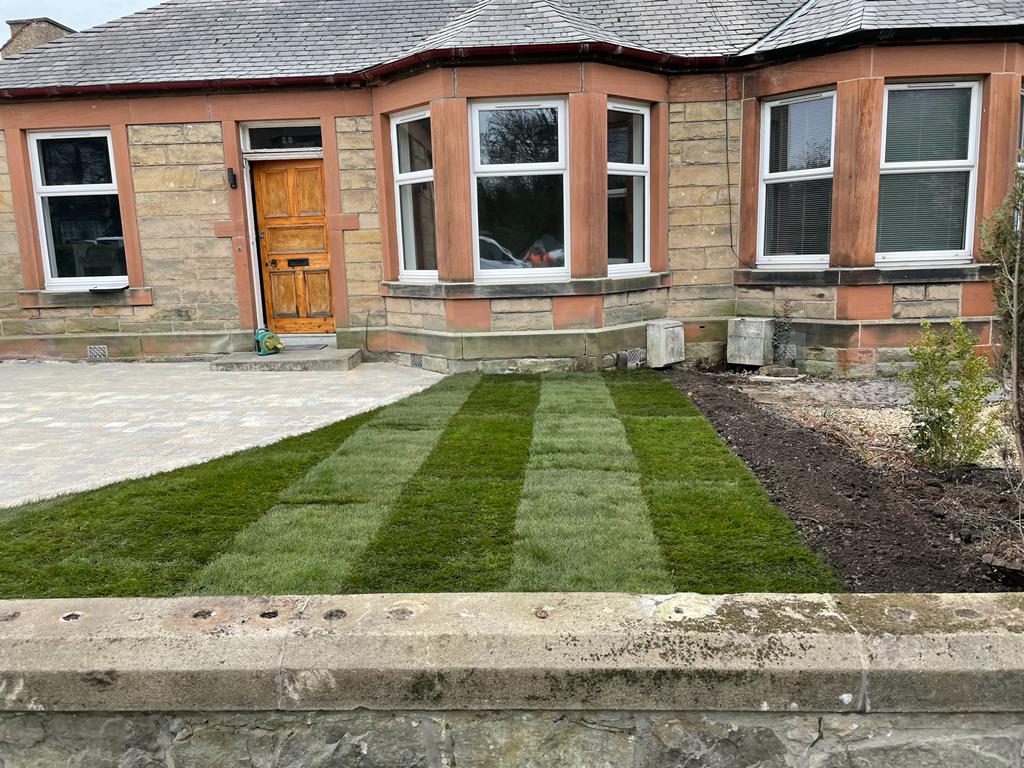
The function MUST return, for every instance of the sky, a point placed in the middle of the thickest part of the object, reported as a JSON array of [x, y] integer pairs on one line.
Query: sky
[[77, 14]]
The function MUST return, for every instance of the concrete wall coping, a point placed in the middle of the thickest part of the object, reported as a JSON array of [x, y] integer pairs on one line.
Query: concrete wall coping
[[779, 653]]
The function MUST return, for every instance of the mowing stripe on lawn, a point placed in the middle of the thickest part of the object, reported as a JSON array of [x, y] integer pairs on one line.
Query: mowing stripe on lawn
[[719, 533], [582, 523], [451, 529], [149, 536], [306, 543]]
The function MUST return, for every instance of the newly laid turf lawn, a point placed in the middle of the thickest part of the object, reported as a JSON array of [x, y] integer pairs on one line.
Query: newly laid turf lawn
[[577, 482]]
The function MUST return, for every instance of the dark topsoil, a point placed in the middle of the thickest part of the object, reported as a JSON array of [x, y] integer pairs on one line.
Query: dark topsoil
[[906, 531]]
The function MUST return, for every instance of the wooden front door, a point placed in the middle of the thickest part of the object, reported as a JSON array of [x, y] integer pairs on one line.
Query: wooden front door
[[295, 262]]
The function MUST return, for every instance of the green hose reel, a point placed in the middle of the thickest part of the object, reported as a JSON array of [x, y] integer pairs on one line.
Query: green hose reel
[[268, 342]]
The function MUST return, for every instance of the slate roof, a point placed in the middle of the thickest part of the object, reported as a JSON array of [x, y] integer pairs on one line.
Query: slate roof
[[204, 41]]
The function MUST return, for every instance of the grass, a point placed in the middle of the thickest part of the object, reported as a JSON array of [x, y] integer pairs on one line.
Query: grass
[[553, 482]]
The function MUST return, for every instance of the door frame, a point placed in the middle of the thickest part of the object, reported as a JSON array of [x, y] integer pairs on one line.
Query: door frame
[[248, 158]]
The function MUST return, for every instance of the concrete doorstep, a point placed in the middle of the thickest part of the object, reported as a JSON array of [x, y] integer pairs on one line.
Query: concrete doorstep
[[306, 357]]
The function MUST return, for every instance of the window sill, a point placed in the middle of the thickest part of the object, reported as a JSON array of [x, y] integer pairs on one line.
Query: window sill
[[578, 287], [865, 275], [129, 297]]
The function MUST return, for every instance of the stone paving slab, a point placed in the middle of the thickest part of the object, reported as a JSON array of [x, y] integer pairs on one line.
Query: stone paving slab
[[71, 426]]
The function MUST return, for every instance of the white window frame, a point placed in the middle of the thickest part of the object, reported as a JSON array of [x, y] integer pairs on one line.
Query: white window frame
[[790, 261], [642, 170], [280, 154], [40, 191], [897, 259], [404, 179], [559, 168]]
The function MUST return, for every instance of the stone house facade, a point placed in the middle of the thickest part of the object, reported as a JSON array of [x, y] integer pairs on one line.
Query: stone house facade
[[465, 203]]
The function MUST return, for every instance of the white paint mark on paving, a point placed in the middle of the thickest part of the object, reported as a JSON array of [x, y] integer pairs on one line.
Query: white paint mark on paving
[[121, 420]]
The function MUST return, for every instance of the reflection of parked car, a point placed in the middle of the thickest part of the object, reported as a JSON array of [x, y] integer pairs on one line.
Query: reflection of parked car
[[493, 255]]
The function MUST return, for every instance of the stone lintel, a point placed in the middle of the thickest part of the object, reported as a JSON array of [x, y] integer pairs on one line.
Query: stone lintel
[[685, 652]]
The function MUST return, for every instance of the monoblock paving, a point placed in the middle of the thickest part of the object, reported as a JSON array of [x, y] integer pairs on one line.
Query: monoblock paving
[[72, 426]]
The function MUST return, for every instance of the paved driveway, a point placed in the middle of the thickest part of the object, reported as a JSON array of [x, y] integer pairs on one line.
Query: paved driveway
[[70, 426]]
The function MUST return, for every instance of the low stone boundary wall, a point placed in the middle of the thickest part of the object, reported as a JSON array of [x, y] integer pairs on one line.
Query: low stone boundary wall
[[514, 680]]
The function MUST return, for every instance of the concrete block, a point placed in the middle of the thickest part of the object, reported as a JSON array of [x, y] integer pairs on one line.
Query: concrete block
[[750, 341], [665, 343]]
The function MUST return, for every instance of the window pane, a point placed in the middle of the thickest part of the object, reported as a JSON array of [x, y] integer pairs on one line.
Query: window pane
[[801, 136], [518, 136], [417, 212], [922, 211], [625, 137], [285, 137], [84, 234], [626, 216], [75, 161], [798, 218], [928, 124], [521, 222], [414, 152]]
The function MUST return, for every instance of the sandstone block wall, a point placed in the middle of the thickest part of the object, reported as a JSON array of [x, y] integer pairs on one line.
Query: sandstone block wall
[[180, 191], [703, 207], [363, 254]]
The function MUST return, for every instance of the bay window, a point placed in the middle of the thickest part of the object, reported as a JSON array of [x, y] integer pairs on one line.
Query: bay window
[[926, 188], [628, 188], [519, 190], [414, 194], [795, 200], [78, 210]]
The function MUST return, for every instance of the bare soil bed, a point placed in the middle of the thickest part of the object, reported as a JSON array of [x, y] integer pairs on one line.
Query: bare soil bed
[[882, 523]]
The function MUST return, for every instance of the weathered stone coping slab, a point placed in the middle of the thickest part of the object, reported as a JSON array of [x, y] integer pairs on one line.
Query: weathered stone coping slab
[[780, 653]]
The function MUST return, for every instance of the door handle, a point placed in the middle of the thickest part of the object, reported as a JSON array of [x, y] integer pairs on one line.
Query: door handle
[[273, 262]]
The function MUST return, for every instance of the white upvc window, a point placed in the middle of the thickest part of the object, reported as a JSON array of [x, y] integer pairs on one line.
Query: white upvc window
[[629, 188], [281, 139], [413, 163], [520, 190], [795, 198], [928, 174], [77, 210]]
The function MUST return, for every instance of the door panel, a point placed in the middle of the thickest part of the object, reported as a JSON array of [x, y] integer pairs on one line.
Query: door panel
[[301, 238], [294, 254], [318, 292], [283, 296], [309, 197]]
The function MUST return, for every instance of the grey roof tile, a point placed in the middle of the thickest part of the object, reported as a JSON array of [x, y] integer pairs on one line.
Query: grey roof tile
[[191, 40]]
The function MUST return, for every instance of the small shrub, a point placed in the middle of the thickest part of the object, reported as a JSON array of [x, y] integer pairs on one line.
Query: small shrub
[[949, 385]]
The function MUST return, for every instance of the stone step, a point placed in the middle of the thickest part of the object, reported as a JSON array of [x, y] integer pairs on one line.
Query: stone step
[[291, 359]]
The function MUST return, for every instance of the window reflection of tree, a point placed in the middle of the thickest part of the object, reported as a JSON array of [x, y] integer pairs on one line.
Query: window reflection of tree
[[510, 136], [75, 161]]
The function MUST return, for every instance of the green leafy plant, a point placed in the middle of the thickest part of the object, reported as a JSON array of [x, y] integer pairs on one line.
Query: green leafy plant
[[949, 384], [1002, 238]]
